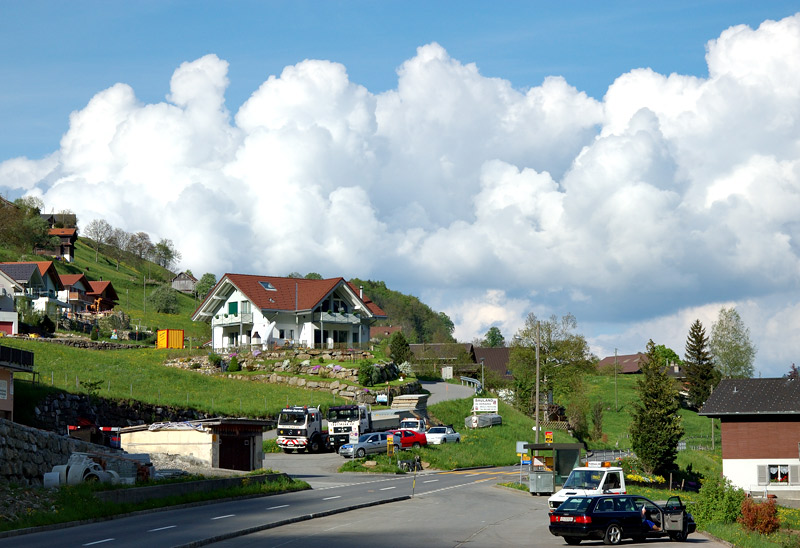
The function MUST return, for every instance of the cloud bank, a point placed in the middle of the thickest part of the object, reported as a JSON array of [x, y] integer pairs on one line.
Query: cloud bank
[[638, 213]]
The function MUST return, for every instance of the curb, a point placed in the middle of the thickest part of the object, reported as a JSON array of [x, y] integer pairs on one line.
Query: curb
[[264, 527]]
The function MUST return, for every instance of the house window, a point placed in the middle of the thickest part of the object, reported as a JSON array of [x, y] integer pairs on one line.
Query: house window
[[291, 334], [245, 307], [268, 286], [233, 339], [778, 473], [233, 308], [339, 306], [281, 334], [355, 336]]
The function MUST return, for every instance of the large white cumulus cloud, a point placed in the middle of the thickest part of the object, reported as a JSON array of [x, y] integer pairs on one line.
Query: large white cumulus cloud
[[669, 196]]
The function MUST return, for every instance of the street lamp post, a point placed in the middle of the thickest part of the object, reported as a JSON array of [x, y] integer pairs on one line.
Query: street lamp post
[[482, 360]]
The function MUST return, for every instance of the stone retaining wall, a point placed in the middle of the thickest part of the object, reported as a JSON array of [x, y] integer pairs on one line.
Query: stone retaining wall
[[27, 453]]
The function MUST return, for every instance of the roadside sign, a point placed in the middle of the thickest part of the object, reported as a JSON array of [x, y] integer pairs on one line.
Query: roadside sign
[[484, 405], [548, 437], [353, 436], [525, 461], [521, 448]]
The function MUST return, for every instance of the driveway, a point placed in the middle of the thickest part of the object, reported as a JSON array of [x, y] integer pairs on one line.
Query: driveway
[[443, 391]]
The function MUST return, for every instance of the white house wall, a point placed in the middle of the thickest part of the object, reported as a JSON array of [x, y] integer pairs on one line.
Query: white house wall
[[743, 473]]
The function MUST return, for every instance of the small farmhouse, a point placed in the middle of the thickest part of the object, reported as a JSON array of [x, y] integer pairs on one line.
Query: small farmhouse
[[249, 310], [103, 296], [760, 425], [184, 282]]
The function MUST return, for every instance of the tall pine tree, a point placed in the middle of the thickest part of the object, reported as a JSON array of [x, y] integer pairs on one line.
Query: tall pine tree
[[701, 375], [656, 426]]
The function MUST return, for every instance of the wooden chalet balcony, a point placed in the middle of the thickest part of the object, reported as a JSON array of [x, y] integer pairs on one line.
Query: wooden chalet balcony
[[16, 359]]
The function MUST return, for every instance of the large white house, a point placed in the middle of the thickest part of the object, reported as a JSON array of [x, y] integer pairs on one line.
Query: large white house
[[9, 318], [267, 311]]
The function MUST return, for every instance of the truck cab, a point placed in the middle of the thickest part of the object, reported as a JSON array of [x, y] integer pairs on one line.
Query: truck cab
[[343, 419], [418, 425], [596, 478], [300, 429]]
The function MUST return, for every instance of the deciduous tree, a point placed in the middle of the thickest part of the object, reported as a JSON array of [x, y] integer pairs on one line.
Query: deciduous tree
[[205, 283], [656, 427], [166, 254], [164, 299], [493, 338], [730, 344], [99, 231]]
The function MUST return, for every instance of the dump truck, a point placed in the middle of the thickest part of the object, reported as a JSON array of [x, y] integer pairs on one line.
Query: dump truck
[[359, 418]]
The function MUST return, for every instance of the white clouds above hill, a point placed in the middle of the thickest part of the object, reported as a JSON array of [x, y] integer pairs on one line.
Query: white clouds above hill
[[637, 213]]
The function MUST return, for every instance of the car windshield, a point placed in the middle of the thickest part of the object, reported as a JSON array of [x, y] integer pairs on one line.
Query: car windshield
[[437, 430], [584, 479], [292, 418], [342, 414], [575, 504]]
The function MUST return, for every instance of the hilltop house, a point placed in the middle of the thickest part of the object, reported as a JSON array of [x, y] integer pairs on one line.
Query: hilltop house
[[40, 286], [9, 318], [66, 244], [184, 282], [254, 310], [76, 292], [760, 425]]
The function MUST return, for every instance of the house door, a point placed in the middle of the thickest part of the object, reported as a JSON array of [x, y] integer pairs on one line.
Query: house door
[[234, 452]]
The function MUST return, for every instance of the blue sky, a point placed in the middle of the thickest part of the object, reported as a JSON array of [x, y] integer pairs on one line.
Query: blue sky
[[56, 55], [634, 164]]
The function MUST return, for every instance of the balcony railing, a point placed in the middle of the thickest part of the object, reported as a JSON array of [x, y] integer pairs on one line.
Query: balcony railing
[[16, 358], [232, 319], [337, 317]]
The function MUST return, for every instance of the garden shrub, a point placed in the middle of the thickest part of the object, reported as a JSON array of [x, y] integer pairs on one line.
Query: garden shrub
[[95, 334], [761, 517], [365, 373], [233, 365], [214, 359], [47, 325], [719, 501]]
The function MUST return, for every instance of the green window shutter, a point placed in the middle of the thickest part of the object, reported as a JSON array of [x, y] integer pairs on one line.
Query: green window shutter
[[233, 308]]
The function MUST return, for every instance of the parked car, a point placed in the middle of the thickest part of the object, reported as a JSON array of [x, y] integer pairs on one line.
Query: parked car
[[614, 517], [367, 444], [442, 434], [405, 438]]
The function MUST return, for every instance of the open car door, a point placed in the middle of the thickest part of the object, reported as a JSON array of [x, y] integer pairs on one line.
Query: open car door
[[675, 519]]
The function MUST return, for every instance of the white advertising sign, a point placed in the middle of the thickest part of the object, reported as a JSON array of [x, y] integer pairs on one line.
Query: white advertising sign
[[484, 405], [3, 390]]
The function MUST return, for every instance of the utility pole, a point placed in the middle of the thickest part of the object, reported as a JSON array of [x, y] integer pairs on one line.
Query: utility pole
[[537, 382], [616, 403]]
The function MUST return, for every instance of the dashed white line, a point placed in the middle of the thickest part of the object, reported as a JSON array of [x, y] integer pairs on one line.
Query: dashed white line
[[429, 481], [331, 498], [99, 541], [386, 488], [223, 517], [276, 507], [161, 528]]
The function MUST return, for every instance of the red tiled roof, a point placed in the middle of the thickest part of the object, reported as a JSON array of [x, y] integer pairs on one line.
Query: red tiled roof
[[61, 231], [71, 279], [102, 289], [384, 330], [290, 293]]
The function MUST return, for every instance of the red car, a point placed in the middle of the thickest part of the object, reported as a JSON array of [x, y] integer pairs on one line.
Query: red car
[[405, 438]]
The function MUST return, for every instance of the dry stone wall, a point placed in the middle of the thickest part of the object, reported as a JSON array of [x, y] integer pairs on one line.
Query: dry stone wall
[[27, 453]]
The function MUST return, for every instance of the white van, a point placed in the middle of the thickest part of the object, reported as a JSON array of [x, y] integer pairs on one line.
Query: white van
[[595, 479]]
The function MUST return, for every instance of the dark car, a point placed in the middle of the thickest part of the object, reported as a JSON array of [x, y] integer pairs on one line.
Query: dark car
[[614, 517]]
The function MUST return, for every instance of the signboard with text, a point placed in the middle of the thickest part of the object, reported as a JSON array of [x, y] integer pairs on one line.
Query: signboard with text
[[484, 405]]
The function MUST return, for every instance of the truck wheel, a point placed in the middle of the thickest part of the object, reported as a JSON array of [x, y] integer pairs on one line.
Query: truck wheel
[[360, 452], [613, 534], [313, 447]]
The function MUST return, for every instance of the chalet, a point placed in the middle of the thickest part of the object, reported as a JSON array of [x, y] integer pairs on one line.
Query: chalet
[[760, 426], [496, 360], [102, 295], [76, 292], [9, 317], [250, 310], [40, 283], [12, 360], [66, 246], [184, 282]]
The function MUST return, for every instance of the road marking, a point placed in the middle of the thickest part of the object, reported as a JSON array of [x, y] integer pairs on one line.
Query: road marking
[[161, 528], [470, 475], [387, 488], [223, 517], [276, 507], [99, 541], [429, 481], [331, 498]]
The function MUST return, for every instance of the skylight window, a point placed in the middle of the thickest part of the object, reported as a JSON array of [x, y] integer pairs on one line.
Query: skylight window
[[268, 286]]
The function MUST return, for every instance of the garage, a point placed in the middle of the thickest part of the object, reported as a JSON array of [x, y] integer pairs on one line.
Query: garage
[[7, 328]]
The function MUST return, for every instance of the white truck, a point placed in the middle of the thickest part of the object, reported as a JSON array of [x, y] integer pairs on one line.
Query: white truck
[[343, 419], [594, 479], [416, 424], [300, 429]]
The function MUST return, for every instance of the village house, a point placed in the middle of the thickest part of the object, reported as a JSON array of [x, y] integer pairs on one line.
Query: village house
[[760, 426], [75, 293], [9, 317], [266, 311], [103, 296], [40, 287]]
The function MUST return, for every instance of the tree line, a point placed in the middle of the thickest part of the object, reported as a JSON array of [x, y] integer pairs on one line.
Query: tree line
[[120, 244]]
